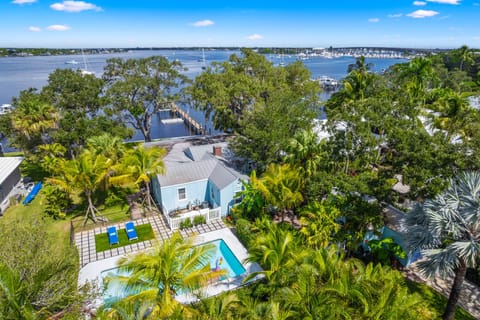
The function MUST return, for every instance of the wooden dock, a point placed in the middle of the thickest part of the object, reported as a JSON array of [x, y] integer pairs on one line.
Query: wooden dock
[[191, 123]]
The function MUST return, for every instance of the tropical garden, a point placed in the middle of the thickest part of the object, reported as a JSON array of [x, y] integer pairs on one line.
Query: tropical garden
[[305, 209]]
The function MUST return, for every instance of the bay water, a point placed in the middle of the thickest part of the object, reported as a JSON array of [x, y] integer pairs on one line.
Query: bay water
[[20, 73]]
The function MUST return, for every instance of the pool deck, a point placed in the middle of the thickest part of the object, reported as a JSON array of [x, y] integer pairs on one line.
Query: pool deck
[[85, 240], [91, 272]]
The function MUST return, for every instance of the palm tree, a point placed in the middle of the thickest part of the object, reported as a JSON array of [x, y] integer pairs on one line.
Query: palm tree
[[32, 119], [277, 252], [112, 147], [446, 230], [455, 114], [280, 186], [86, 174], [126, 309], [174, 267], [360, 65], [140, 165], [417, 75], [51, 157], [319, 223], [217, 308], [305, 152], [466, 56], [252, 205]]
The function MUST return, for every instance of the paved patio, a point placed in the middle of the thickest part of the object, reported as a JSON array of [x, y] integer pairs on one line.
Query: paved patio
[[85, 240]]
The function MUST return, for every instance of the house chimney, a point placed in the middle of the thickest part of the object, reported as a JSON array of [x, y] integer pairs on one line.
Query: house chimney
[[217, 151]]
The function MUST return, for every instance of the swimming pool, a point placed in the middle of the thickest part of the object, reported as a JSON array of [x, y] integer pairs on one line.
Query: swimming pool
[[222, 258]]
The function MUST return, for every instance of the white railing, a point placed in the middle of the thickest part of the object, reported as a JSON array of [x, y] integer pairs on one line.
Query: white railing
[[208, 214], [214, 214]]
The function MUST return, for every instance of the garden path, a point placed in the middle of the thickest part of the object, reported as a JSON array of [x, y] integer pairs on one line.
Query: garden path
[[469, 297]]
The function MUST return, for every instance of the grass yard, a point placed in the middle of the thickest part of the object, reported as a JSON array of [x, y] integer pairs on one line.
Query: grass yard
[[144, 232], [437, 301], [114, 214]]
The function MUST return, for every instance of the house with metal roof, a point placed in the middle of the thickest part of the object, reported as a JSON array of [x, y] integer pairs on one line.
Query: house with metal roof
[[9, 178], [198, 180]]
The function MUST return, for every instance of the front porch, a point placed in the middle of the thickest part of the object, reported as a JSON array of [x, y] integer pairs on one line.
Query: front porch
[[176, 218]]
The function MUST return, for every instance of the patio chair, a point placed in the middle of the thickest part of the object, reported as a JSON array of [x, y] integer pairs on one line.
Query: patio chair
[[131, 232], [112, 235]]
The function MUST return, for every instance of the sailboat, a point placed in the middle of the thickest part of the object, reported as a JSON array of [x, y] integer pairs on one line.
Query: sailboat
[[204, 66], [85, 71]]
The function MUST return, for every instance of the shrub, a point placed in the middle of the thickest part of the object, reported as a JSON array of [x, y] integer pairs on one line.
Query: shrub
[[185, 224], [244, 232], [199, 220]]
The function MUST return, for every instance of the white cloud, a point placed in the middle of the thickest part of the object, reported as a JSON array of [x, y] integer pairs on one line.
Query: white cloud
[[419, 14], [374, 20], [74, 6], [419, 3], [255, 37], [446, 1], [34, 29], [58, 27], [23, 1], [395, 15], [203, 23]]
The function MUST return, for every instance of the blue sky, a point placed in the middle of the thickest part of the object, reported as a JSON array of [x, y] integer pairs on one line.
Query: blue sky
[[160, 23]]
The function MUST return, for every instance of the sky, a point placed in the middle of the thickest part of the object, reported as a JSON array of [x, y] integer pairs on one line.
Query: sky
[[246, 23]]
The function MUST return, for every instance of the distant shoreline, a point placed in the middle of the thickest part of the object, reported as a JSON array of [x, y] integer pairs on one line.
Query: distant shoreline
[[339, 51]]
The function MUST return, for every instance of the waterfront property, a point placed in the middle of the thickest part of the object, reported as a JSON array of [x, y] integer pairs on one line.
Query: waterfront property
[[199, 181]]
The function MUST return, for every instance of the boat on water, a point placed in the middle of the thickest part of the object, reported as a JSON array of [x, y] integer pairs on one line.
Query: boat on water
[[328, 83], [204, 66], [5, 108], [85, 70], [71, 62]]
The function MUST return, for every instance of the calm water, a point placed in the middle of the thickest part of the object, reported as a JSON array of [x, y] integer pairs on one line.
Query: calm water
[[19, 73]]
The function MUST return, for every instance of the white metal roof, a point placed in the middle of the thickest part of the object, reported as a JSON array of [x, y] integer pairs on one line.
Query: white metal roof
[[7, 166]]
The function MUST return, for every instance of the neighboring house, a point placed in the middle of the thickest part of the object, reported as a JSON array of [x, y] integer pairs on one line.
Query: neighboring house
[[198, 180], [396, 228], [9, 178]]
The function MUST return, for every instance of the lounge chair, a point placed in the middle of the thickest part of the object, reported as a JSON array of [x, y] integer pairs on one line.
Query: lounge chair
[[112, 235], [131, 232]]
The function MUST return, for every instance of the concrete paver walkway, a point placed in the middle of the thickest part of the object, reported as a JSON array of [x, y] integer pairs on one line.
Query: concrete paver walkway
[[85, 240], [469, 297]]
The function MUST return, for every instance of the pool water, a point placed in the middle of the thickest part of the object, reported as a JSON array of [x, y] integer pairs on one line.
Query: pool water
[[222, 258]]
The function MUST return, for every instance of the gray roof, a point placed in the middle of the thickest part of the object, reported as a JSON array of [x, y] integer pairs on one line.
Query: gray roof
[[222, 176], [202, 152], [188, 163], [180, 173], [7, 166]]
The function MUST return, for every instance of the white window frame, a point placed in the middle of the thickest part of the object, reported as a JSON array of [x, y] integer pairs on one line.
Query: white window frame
[[185, 193]]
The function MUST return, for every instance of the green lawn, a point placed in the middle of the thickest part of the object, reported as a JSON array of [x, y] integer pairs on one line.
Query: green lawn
[[35, 209], [114, 214], [144, 232], [436, 301]]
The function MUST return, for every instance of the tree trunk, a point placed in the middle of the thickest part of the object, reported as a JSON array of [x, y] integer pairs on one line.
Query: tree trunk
[[460, 272]]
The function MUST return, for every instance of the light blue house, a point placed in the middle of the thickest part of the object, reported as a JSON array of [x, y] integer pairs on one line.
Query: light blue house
[[198, 181], [396, 228]]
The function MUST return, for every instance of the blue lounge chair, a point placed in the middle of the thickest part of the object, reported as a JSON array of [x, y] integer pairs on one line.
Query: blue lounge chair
[[112, 235], [131, 232]]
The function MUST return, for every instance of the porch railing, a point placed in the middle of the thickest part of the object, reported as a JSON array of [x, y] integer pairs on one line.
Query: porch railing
[[208, 214]]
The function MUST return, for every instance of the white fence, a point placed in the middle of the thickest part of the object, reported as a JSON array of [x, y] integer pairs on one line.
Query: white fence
[[208, 214]]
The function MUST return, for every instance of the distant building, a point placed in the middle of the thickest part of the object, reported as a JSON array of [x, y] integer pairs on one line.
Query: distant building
[[9, 178]]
